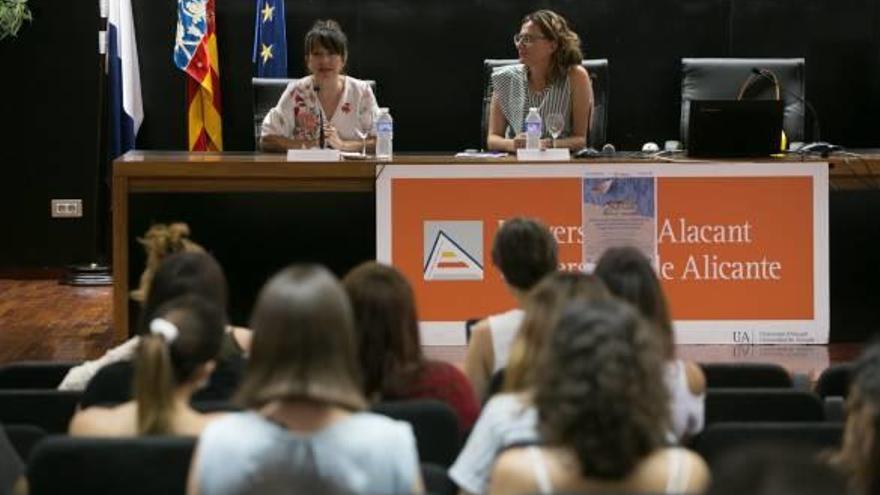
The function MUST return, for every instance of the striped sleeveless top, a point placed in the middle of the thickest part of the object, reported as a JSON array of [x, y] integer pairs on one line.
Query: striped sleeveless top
[[512, 87]]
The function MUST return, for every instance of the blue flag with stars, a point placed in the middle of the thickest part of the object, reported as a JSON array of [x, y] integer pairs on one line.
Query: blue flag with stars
[[270, 39]]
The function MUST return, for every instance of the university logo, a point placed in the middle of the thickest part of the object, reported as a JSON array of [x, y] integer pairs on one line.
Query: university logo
[[453, 250]]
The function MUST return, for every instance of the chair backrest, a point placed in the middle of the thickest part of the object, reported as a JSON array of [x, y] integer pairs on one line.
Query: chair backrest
[[599, 76], [834, 381], [721, 79], [762, 404], [146, 465], [437, 481], [717, 439], [434, 424], [34, 374], [267, 92], [746, 375], [51, 410], [23, 438]]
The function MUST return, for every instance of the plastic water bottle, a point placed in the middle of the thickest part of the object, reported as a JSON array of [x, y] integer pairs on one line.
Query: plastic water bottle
[[534, 129], [384, 135]]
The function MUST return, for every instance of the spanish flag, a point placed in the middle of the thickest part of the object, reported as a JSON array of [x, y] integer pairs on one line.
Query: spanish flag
[[195, 52]]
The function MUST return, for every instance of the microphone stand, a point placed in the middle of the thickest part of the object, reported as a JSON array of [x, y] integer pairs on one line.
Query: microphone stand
[[771, 76], [320, 118]]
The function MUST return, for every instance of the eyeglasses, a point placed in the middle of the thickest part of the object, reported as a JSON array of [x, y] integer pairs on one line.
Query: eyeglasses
[[526, 39]]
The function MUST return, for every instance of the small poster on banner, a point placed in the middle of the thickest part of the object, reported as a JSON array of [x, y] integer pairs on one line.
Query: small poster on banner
[[618, 211]]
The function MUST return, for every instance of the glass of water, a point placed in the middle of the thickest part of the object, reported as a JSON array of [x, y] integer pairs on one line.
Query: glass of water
[[555, 124]]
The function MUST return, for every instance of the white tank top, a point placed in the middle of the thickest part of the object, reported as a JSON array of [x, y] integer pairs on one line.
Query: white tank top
[[503, 328]]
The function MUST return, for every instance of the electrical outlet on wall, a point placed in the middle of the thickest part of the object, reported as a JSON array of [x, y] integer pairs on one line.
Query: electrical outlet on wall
[[66, 208]]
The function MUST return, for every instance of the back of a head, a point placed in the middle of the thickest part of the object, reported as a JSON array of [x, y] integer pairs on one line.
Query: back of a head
[[543, 307], [184, 273], [386, 325], [628, 274], [524, 251], [600, 391], [859, 455], [774, 470], [185, 333], [303, 345]]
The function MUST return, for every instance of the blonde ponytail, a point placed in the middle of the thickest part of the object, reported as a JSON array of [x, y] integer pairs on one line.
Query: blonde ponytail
[[154, 386]]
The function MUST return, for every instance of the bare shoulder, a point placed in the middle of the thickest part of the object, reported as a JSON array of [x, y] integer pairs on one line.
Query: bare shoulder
[[512, 473], [97, 421], [696, 380], [654, 472], [579, 73]]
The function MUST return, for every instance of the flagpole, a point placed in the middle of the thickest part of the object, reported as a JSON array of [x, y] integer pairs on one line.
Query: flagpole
[[97, 272]]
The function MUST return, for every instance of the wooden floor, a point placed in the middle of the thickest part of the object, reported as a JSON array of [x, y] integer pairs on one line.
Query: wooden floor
[[42, 320]]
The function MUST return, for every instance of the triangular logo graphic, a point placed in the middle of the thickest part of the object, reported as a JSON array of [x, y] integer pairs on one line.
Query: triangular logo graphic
[[449, 261]]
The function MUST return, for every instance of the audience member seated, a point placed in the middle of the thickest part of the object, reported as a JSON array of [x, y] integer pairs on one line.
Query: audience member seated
[[159, 242], [391, 357], [550, 78], [510, 418], [343, 104], [12, 480], [177, 275], [172, 362], [629, 276], [305, 405], [543, 307], [603, 413], [859, 456], [774, 470], [524, 251]]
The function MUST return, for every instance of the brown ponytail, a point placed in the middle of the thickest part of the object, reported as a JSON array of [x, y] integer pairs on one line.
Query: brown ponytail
[[154, 386]]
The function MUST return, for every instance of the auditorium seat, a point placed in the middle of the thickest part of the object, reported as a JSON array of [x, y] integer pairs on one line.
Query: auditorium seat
[[436, 480], [267, 92], [23, 438], [719, 438], [146, 465], [746, 375], [722, 78], [599, 76], [762, 404], [434, 424], [34, 374], [834, 381], [48, 409]]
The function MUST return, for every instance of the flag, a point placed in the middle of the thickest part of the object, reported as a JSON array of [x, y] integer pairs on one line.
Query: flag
[[126, 109], [270, 39], [195, 52]]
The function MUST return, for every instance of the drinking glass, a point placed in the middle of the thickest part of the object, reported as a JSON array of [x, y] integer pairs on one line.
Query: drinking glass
[[362, 132], [555, 124]]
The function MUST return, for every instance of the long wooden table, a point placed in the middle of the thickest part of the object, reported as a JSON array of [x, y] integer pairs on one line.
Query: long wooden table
[[161, 172]]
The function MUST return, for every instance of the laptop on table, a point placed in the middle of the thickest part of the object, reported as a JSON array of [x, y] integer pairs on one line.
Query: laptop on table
[[734, 128]]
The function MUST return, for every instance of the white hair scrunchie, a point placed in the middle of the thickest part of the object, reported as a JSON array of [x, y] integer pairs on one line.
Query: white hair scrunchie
[[163, 327]]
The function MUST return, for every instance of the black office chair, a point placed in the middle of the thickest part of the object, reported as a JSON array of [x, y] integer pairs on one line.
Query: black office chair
[[434, 424], [49, 409], [762, 404], [34, 374], [722, 79], [599, 76], [145, 465], [718, 439], [267, 92], [746, 375]]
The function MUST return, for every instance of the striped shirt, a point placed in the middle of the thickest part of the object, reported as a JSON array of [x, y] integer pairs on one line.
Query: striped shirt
[[510, 83]]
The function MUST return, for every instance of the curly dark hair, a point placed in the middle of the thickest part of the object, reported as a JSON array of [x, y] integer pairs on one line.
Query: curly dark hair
[[524, 251], [628, 274], [859, 456], [568, 53], [600, 390]]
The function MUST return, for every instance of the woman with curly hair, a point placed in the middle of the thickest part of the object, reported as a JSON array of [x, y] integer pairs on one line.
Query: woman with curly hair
[[629, 275], [602, 413], [859, 456], [549, 77]]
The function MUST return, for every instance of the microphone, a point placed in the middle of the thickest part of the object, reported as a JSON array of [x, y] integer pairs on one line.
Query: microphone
[[320, 119], [771, 76]]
